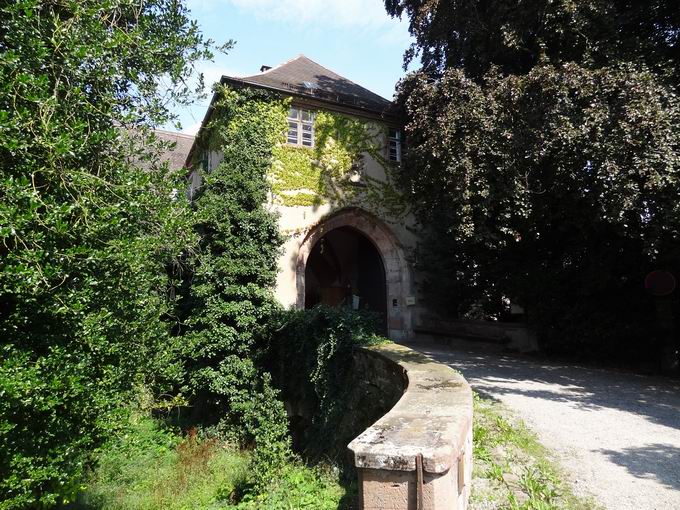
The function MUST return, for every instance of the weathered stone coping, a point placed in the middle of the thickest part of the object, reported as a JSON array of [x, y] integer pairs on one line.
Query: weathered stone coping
[[433, 418]]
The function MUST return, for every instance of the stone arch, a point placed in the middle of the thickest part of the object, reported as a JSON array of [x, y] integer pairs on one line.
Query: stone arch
[[397, 272]]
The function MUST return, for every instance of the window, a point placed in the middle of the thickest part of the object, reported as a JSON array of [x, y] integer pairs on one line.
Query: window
[[394, 145], [205, 161], [300, 127]]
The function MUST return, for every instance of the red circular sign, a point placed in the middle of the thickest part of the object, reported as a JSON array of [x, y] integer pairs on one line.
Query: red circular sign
[[660, 283]]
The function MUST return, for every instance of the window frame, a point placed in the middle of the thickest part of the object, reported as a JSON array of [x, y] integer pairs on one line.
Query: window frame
[[300, 126], [397, 140]]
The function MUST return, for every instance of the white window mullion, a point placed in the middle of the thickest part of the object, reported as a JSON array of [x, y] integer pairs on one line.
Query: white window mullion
[[300, 128], [394, 145]]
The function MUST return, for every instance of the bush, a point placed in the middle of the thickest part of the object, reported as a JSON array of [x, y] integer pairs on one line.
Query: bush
[[85, 233], [229, 305], [311, 358], [299, 486]]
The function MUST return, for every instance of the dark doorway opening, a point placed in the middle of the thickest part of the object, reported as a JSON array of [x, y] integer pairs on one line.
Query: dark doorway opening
[[345, 268]]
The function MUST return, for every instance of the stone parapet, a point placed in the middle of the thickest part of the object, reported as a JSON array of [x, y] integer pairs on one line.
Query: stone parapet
[[418, 456]]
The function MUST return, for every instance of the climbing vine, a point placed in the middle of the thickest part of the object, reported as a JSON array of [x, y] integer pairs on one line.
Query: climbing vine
[[312, 361], [230, 304], [337, 169], [346, 167]]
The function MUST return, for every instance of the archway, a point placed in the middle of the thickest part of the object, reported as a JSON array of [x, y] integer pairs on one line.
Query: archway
[[398, 297], [345, 268]]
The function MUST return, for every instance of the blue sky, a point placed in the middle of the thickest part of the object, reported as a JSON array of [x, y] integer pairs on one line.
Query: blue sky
[[354, 38]]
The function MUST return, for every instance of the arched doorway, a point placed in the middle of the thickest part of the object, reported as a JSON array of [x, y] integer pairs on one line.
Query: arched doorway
[[344, 268], [395, 270]]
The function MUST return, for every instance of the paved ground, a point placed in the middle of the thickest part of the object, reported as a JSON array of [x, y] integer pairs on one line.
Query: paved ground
[[616, 434]]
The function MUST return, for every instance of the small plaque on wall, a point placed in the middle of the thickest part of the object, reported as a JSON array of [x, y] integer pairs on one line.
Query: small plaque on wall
[[410, 300]]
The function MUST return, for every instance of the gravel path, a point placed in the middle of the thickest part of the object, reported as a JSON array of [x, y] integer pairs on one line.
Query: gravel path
[[616, 434]]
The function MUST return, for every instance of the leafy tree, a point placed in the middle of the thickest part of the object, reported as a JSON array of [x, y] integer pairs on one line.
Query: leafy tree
[[87, 226], [543, 161], [475, 35]]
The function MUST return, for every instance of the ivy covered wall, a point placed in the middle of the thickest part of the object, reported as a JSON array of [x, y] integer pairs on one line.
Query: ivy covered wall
[[347, 170], [346, 167]]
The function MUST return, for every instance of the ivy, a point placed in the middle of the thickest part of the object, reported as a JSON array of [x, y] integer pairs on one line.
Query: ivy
[[303, 176], [325, 173], [312, 358], [230, 313], [230, 305]]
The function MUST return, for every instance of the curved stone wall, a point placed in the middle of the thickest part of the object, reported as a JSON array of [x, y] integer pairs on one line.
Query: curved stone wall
[[418, 456]]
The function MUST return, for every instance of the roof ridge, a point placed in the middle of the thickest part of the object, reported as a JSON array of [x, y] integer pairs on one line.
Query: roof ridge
[[274, 68], [178, 133]]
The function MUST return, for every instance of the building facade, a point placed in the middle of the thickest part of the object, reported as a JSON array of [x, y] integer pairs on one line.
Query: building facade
[[349, 235]]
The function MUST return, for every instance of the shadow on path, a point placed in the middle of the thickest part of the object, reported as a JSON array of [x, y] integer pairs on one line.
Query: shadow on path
[[617, 433], [655, 398], [649, 461]]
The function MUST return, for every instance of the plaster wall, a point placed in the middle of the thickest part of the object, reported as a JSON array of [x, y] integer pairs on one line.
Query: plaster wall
[[393, 236], [355, 199]]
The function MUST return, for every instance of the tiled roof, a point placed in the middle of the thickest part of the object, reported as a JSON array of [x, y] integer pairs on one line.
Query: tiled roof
[[176, 156], [307, 78]]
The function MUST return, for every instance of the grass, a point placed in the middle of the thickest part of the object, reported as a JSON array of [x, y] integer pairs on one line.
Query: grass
[[512, 470], [300, 486], [151, 467]]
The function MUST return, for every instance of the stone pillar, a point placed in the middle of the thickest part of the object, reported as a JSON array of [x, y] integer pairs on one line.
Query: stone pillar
[[418, 456]]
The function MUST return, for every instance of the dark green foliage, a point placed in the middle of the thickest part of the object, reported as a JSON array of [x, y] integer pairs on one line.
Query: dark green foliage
[[85, 233], [551, 180], [311, 357], [231, 302], [475, 35]]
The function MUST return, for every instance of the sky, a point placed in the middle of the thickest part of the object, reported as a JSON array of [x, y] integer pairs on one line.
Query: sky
[[354, 38]]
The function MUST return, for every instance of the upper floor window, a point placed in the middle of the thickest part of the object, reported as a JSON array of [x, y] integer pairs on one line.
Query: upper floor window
[[300, 127], [205, 161], [394, 145]]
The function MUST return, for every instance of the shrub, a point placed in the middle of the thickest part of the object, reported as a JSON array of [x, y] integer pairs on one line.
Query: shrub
[[85, 233], [229, 305], [311, 358]]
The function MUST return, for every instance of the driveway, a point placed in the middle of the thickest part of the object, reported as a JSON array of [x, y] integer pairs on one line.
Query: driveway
[[616, 434]]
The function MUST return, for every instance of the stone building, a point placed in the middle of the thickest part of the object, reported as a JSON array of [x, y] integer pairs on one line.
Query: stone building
[[348, 231]]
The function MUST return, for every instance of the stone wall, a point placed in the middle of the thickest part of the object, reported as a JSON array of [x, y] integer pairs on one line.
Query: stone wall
[[373, 385], [419, 454], [514, 335]]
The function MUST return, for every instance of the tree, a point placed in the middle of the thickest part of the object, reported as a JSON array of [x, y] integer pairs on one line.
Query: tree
[[88, 224], [515, 36], [543, 162], [230, 307]]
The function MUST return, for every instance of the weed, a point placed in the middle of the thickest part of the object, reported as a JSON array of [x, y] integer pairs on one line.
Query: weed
[[152, 467], [538, 485], [512, 469], [298, 487], [495, 472]]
